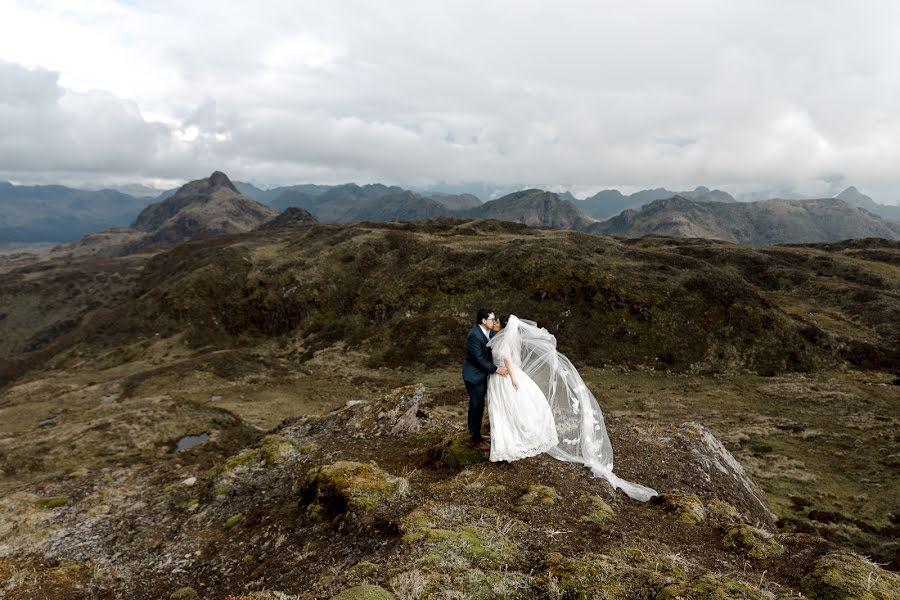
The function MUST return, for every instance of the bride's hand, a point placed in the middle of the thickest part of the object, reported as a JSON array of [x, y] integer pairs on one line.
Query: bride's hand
[[515, 384]]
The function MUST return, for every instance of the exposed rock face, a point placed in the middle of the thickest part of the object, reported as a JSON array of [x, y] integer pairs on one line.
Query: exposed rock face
[[291, 217], [205, 206], [536, 208], [719, 465], [759, 223]]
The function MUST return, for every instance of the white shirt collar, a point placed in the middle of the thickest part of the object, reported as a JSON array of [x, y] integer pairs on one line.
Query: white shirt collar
[[486, 332]]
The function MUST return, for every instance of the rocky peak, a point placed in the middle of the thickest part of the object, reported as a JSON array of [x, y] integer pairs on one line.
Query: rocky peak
[[220, 179], [854, 196]]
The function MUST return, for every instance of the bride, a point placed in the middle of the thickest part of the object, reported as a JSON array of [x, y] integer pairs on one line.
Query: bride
[[544, 406]]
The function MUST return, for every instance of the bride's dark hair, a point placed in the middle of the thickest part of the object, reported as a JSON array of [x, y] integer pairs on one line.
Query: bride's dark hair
[[504, 319]]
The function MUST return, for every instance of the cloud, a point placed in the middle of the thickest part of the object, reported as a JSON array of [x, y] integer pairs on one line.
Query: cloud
[[739, 95]]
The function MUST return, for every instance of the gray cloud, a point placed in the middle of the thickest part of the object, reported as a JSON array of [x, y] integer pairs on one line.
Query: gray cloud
[[740, 95]]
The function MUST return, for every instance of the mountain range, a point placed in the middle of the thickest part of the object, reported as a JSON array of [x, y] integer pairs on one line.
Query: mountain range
[[58, 213], [608, 203], [54, 213], [759, 223]]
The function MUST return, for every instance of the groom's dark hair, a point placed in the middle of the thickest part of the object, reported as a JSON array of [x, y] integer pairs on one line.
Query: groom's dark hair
[[483, 313]]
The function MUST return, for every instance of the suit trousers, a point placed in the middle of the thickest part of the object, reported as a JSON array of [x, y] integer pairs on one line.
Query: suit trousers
[[477, 393]]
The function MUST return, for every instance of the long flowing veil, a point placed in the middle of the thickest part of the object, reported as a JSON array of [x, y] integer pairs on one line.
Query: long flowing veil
[[579, 420]]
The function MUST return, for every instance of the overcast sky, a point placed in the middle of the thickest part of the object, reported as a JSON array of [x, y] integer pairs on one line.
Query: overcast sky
[[744, 95]]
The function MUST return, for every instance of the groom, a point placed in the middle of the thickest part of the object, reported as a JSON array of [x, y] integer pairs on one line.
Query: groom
[[476, 369]]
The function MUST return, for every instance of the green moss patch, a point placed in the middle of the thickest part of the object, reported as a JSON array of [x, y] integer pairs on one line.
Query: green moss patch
[[538, 495], [754, 542], [600, 511], [602, 576], [709, 587], [722, 512], [185, 593], [274, 448], [365, 592], [687, 506], [347, 485], [444, 535], [232, 521], [459, 452], [846, 576], [52, 502]]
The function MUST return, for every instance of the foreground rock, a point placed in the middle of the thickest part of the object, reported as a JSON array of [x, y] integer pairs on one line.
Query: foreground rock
[[360, 503]]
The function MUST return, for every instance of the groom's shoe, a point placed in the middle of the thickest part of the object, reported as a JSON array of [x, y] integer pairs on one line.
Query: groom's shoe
[[483, 445]]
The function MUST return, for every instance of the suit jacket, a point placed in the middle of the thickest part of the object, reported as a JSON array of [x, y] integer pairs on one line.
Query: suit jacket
[[478, 364]]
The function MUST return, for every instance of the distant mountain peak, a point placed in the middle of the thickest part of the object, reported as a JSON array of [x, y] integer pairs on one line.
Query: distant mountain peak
[[210, 205], [854, 196], [220, 179]]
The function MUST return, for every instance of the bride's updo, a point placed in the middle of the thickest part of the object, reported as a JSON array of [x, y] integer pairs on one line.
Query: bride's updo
[[504, 319]]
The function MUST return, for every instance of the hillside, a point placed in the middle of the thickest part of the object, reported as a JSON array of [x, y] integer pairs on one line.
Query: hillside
[[278, 351], [759, 223], [407, 507]]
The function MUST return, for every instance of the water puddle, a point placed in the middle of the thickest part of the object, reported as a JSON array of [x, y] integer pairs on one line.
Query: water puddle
[[189, 441]]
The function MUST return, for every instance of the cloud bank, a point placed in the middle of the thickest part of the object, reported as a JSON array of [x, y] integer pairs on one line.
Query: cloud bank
[[741, 95]]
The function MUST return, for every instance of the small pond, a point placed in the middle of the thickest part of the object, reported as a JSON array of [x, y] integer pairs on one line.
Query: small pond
[[189, 441]]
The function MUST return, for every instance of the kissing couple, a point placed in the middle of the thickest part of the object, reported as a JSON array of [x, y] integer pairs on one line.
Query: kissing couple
[[537, 402]]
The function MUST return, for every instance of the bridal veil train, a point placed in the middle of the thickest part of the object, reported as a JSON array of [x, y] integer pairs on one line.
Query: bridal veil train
[[580, 425]]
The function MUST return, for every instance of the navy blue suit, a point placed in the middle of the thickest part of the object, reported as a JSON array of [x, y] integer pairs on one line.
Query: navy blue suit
[[476, 368]]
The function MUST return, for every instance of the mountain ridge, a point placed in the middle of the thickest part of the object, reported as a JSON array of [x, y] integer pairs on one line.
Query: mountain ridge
[[759, 223]]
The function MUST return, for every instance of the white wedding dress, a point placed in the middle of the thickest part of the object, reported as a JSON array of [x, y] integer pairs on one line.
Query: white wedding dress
[[553, 411], [521, 420]]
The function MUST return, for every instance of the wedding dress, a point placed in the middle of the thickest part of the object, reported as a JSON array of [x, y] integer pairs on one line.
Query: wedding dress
[[521, 420], [550, 378]]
